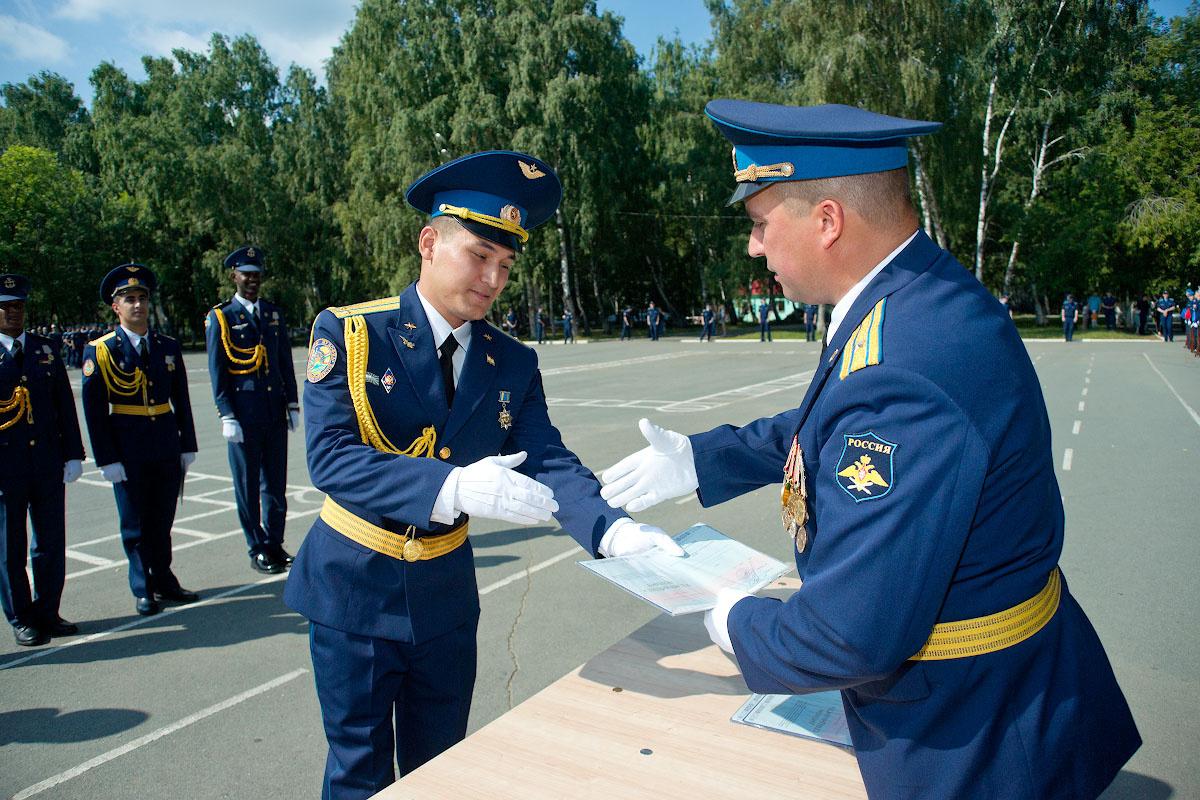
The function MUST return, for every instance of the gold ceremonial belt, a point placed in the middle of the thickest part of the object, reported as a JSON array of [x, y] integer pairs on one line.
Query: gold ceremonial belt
[[381, 540], [141, 411], [973, 637]]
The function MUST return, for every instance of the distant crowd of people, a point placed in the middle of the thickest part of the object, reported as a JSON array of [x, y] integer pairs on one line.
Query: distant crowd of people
[[1150, 317]]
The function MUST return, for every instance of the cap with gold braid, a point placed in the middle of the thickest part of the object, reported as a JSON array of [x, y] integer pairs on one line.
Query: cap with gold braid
[[499, 195], [126, 278]]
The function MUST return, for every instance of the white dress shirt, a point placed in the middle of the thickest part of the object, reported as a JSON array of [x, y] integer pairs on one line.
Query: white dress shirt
[[843, 306]]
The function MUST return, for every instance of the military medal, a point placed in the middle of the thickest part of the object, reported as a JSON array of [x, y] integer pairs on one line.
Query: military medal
[[505, 417], [414, 548], [794, 497]]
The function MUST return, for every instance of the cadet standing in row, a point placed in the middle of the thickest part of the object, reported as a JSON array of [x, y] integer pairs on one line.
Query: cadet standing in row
[[254, 385], [706, 319], [139, 419], [1166, 316], [40, 451], [627, 324], [419, 413], [920, 496], [1070, 315], [652, 317]]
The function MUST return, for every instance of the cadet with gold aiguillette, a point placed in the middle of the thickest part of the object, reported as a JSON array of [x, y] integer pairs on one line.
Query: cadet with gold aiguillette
[[918, 489], [419, 414]]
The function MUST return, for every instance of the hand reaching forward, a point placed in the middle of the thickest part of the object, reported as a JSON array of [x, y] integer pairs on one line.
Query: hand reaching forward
[[659, 472]]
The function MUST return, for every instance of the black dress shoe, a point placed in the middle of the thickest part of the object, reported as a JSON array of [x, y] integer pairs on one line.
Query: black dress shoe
[[147, 606], [178, 594], [284, 556], [59, 627], [29, 636], [264, 562]]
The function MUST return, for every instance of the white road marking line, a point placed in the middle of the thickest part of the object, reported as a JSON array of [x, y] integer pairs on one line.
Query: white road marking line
[[1182, 402], [1081, 405], [516, 576], [1087, 380], [1077, 426], [141, 741], [706, 402], [1085, 391], [620, 363], [689, 498], [189, 532], [87, 558], [1068, 454]]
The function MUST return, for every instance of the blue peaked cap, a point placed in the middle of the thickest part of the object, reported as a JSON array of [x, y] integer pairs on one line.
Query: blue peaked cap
[[13, 287], [498, 194], [124, 278], [247, 259], [773, 143]]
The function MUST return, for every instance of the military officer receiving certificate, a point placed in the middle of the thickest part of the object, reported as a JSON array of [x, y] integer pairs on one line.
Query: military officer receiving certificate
[[918, 489], [419, 415]]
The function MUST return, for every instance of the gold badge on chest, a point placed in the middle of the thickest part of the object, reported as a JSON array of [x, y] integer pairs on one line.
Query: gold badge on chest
[[505, 417], [794, 497]]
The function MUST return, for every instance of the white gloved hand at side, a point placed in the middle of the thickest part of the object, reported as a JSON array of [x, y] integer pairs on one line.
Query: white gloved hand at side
[[113, 473], [293, 419], [628, 538], [659, 472], [491, 488], [72, 470], [185, 461], [716, 619], [231, 429]]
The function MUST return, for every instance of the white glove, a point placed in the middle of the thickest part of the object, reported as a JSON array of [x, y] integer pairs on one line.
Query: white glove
[[231, 429], [490, 488], [185, 461], [628, 538], [659, 472], [72, 470], [113, 473], [293, 419], [716, 619]]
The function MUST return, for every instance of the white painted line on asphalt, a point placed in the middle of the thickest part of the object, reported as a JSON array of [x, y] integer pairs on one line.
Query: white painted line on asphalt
[[1085, 391], [1087, 380], [142, 741], [706, 402], [689, 498], [1081, 405], [1068, 454], [1182, 402], [166, 612], [189, 532], [1077, 426], [87, 558], [516, 576], [624, 362]]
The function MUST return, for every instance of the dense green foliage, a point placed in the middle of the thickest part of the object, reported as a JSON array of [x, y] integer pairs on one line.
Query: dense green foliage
[[1069, 160]]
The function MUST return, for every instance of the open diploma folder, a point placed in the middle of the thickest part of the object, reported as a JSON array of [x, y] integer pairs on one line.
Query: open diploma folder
[[817, 716], [690, 584]]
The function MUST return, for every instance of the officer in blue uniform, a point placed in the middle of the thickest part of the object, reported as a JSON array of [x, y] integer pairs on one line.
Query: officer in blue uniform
[[1166, 316], [652, 317], [627, 324], [418, 415], [568, 330], [1193, 323], [764, 322], [40, 451], [1109, 306], [254, 385], [810, 323], [921, 497], [1070, 315], [511, 321], [139, 419], [706, 318], [540, 322]]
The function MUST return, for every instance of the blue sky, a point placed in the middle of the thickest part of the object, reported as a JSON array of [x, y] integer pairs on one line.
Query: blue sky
[[71, 37]]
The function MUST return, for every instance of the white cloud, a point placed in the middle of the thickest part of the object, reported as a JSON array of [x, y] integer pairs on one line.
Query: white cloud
[[23, 42]]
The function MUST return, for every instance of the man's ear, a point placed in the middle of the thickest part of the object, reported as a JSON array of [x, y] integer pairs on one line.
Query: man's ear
[[426, 241], [832, 220]]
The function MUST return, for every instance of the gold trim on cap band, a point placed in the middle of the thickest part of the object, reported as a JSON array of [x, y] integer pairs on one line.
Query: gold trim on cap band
[[486, 219], [973, 637], [381, 540]]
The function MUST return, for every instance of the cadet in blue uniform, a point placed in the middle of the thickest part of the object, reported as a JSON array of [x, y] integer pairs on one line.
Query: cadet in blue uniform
[[627, 324], [810, 323], [1193, 322], [418, 413], [1109, 306], [1166, 316], [40, 452], [706, 317], [1069, 315], [511, 320], [921, 497], [254, 385], [568, 331], [764, 322], [652, 316], [139, 419]]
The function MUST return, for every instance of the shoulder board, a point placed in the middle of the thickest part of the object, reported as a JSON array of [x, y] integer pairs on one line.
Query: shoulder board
[[864, 348], [369, 307], [103, 338], [162, 337], [219, 306]]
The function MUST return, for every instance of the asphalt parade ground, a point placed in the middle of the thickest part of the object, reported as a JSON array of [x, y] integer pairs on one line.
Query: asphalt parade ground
[[216, 699]]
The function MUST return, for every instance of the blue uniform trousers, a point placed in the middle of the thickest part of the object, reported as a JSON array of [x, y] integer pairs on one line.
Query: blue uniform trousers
[[764, 331], [259, 466], [1068, 329], [42, 496], [1168, 327], [146, 504], [707, 330], [626, 331], [365, 685]]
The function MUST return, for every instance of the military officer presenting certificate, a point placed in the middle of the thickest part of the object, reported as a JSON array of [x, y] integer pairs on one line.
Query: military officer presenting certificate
[[918, 489], [419, 415]]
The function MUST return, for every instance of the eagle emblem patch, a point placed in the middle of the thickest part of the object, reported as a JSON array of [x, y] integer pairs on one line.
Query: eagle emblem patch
[[321, 359], [865, 469]]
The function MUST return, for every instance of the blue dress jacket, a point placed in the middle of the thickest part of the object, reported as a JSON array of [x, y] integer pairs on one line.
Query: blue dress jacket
[[259, 397], [961, 517], [43, 446], [137, 438], [341, 584]]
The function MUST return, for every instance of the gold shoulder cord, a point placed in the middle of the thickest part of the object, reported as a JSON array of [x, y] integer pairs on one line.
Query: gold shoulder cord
[[257, 354], [119, 382], [17, 405]]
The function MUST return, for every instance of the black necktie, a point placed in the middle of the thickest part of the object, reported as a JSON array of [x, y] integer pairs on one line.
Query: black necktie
[[257, 319], [447, 360], [17, 354], [143, 354]]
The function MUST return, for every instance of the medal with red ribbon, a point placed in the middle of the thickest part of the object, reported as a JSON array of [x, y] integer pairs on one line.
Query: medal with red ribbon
[[794, 497]]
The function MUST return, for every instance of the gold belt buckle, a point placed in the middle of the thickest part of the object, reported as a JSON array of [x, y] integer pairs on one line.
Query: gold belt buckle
[[414, 548], [151, 410]]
